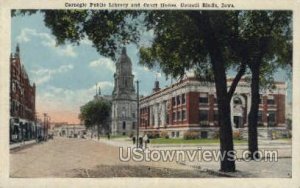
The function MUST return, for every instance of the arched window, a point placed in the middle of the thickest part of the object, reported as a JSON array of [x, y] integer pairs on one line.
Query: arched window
[[237, 100]]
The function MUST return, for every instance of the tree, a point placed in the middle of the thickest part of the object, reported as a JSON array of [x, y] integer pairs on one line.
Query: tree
[[96, 114], [207, 41], [266, 37], [198, 40], [183, 40]]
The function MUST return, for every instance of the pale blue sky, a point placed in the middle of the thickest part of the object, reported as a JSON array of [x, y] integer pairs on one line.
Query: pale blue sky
[[66, 75]]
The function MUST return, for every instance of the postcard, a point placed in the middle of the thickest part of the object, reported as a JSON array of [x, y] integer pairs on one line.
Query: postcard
[[149, 93]]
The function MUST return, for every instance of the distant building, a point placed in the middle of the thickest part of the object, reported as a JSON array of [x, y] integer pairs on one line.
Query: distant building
[[22, 101], [124, 101], [191, 105], [70, 130]]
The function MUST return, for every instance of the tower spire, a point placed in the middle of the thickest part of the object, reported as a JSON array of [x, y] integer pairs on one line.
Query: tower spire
[[96, 88], [99, 91], [17, 51]]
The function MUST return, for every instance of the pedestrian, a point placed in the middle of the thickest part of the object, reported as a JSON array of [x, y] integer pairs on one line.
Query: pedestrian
[[133, 140], [146, 139], [141, 142]]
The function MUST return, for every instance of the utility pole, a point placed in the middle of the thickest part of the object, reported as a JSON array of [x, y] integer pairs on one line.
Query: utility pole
[[45, 116], [137, 114]]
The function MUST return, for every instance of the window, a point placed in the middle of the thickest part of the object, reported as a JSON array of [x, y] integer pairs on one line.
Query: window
[[152, 119], [177, 134], [174, 116], [259, 116], [216, 115], [173, 134], [260, 99], [237, 100], [271, 100], [203, 98], [178, 115], [204, 134], [124, 125], [183, 98], [133, 115], [183, 114], [203, 115], [167, 118], [123, 113], [133, 125], [158, 120], [271, 117], [173, 101], [178, 100]]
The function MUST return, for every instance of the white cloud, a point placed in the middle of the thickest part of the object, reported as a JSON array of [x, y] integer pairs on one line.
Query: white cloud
[[104, 85], [147, 38], [46, 40], [103, 63], [43, 75], [86, 41], [68, 51], [54, 98]]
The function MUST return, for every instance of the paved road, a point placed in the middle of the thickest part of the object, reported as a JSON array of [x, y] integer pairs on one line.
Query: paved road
[[63, 157]]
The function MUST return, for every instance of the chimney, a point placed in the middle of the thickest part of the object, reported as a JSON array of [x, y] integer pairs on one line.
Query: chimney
[[156, 86]]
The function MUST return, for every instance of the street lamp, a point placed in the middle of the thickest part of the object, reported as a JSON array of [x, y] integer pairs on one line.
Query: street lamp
[[45, 116], [137, 114], [46, 123]]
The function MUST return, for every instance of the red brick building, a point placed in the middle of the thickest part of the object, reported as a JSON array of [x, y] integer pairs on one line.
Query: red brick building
[[22, 101], [190, 105]]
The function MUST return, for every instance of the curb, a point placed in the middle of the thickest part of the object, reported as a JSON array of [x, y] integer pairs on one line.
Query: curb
[[21, 147], [210, 171]]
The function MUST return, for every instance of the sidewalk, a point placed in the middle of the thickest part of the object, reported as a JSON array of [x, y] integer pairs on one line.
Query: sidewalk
[[284, 148], [245, 169], [21, 144]]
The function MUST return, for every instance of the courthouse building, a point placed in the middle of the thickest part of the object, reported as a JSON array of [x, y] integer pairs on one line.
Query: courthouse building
[[124, 100], [190, 105]]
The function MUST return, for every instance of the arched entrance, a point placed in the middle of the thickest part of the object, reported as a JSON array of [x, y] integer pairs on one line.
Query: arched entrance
[[238, 106]]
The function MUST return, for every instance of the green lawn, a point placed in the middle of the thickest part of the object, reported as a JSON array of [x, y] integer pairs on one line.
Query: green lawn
[[118, 136], [195, 141]]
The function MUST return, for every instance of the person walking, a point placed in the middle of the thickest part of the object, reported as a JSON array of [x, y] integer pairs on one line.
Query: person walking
[[146, 140], [141, 142]]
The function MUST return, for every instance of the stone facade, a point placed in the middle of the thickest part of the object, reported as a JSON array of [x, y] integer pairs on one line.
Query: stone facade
[[124, 98], [191, 105]]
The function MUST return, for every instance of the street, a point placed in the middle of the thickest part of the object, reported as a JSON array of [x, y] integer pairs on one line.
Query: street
[[65, 157], [72, 157]]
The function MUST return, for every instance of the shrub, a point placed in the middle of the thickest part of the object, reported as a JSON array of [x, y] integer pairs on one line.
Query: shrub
[[237, 135], [260, 124], [189, 135], [131, 135], [164, 134], [152, 135], [216, 135]]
